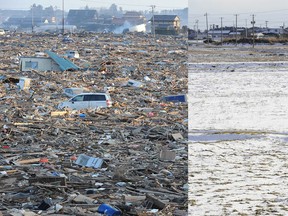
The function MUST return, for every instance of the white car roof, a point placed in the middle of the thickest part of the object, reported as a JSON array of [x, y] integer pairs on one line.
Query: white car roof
[[93, 93]]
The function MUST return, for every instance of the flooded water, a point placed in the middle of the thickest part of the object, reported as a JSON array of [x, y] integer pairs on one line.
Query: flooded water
[[239, 177], [238, 151], [256, 100]]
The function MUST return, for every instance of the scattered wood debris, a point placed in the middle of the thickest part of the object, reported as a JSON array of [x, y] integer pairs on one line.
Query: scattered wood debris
[[141, 141]]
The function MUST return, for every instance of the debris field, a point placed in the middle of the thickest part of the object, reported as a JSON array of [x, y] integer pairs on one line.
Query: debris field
[[128, 159]]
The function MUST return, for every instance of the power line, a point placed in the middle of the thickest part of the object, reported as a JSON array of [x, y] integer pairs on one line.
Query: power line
[[63, 18], [243, 13], [271, 11], [197, 29], [236, 32], [253, 30], [206, 15], [221, 30], [274, 21], [153, 23]]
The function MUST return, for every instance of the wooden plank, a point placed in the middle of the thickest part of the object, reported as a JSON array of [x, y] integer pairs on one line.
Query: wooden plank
[[22, 123], [49, 179], [28, 161], [155, 202], [11, 171], [167, 155], [134, 198], [59, 113], [177, 136], [49, 186]]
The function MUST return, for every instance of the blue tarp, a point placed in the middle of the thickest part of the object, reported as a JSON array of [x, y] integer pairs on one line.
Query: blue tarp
[[175, 98]]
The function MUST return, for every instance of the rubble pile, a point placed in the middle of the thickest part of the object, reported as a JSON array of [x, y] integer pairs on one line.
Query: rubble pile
[[128, 159]]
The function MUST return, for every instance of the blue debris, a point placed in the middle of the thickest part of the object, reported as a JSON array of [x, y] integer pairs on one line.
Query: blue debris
[[176, 98]]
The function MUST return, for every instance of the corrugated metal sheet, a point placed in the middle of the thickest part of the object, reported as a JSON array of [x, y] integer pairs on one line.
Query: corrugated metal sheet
[[84, 160], [63, 63]]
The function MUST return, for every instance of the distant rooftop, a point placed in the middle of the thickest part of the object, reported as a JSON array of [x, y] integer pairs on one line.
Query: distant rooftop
[[164, 17]]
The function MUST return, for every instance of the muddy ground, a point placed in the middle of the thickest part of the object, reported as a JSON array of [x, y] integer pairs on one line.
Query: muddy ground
[[240, 53]]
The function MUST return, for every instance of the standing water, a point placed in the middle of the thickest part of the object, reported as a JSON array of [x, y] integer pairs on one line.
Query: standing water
[[238, 124]]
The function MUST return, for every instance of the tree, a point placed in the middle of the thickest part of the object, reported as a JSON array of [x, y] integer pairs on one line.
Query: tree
[[49, 11], [121, 10], [36, 10], [113, 9]]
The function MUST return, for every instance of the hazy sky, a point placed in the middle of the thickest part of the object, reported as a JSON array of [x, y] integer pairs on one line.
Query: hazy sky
[[273, 11], [76, 4]]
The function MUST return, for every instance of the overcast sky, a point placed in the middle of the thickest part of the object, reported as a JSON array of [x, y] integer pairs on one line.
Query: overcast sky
[[76, 4], [275, 12]]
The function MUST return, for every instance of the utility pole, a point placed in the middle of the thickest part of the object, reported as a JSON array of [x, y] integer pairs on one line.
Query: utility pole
[[246, 30], [213, 27], [63, 18], [197, 21], [253, 30], [236, 33], [153, 24], [221, 30], [32, 18], [207, 26]]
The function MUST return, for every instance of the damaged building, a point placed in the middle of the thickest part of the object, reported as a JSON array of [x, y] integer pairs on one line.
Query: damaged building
[[82, 18], [51, 63], [166, 24]]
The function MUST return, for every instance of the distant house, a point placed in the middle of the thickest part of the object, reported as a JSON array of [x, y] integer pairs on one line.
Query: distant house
[[218, 33], [234, 33], [51, 63], [266, 32], [105, 19], [132, 17], [192, 34], [166, 24], [22, 22], [81, 17], [273, 31]]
